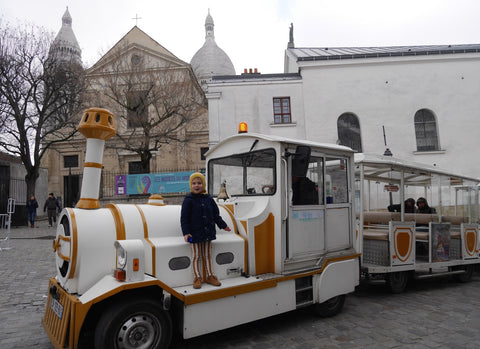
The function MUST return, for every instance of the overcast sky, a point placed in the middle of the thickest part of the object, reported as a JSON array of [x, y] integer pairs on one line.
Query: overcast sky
[[255, 34]]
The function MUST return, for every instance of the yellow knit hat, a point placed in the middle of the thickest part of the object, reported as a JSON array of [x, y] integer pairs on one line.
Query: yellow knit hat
[[201, 176]]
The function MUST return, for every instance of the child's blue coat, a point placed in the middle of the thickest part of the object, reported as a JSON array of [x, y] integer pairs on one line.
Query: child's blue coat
[[199, 215]]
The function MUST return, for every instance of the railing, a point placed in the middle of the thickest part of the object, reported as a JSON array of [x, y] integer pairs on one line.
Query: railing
[[5, 222]]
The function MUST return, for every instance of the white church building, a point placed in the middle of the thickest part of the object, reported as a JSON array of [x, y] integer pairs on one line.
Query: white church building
[[421, 102]]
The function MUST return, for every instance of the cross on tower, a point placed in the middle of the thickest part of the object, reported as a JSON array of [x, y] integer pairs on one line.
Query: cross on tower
[[136, 18]]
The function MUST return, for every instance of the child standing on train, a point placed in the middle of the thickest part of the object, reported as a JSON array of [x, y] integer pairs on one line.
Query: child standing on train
[[198, 218]]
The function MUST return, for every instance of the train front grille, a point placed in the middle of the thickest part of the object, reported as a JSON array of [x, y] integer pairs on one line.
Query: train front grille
[[58, 314]]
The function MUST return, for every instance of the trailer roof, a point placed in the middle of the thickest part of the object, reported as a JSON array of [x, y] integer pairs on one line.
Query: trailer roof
[[383, 168]]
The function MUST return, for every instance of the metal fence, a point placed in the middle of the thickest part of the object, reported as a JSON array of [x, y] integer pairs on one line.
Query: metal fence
[[18, 190], [15, 188]]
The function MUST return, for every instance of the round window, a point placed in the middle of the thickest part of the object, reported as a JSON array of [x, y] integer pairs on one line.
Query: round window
[[136, 59]]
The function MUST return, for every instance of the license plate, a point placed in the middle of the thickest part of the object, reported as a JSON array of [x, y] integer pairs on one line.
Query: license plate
[[56, 307]]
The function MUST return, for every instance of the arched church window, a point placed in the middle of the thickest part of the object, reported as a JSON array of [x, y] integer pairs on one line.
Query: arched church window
[[348, 128], [426, 130]]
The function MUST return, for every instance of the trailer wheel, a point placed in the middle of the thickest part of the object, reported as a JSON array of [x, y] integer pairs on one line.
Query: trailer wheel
[[330, 307], [138, 324], [467, 276], [397, 281]]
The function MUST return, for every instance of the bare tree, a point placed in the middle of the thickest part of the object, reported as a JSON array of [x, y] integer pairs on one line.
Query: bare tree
[[155, 100], [39, 97]]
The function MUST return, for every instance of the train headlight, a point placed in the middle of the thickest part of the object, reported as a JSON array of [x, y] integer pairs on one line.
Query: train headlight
[[130, 260], [121, 255]]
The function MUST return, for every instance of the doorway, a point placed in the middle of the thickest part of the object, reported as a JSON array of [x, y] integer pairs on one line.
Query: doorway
[[71, 190]]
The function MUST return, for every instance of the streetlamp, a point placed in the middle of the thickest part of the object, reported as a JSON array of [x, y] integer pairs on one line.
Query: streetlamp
[[387, 152]]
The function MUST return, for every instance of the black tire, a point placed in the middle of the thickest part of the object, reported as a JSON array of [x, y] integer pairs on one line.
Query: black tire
[[139, 324], [397, 282], [467, 276], [330, 307]]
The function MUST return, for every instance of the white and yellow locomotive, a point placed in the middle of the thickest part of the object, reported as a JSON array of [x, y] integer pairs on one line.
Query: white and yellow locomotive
[[124, 276]]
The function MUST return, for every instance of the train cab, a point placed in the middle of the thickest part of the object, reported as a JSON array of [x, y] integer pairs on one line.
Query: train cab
[[293, 200]]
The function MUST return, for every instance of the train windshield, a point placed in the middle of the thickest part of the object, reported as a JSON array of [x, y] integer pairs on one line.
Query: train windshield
[[251, 173]]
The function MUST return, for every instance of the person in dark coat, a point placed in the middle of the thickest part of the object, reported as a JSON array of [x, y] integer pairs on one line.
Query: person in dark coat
[[304, 191], [32, 205], [198, 218], [422, 206], [409, 206], [51, 206]]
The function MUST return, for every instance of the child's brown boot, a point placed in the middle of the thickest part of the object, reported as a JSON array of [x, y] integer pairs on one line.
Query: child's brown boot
[[197, 283], [212, 280]]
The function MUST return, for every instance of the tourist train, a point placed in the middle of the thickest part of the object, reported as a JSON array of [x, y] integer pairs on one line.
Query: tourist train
[[309, 221]]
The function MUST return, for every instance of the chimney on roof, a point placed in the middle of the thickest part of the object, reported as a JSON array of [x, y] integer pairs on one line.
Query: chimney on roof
[[251, 71]]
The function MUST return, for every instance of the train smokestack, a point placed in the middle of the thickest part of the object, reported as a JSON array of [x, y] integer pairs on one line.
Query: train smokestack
[[97, 125]]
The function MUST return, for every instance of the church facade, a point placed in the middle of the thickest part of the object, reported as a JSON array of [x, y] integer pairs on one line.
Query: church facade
[[419, 101], [155, 75]]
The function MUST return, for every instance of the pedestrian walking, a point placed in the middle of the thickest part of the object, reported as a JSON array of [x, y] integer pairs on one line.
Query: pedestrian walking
[[32, 205], [51, 206]]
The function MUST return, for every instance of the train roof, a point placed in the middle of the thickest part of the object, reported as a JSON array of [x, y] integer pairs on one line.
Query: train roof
[[279, 139]]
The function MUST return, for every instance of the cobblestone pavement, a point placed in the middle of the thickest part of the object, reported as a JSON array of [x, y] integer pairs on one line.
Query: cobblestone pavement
[[438, 313]]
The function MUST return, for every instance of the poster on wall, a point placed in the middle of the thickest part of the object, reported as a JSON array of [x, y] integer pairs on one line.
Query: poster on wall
[[153, 183], [120, 182], [440, 242]]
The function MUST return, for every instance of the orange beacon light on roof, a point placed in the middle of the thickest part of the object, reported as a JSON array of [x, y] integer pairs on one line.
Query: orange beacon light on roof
[[242, 127]]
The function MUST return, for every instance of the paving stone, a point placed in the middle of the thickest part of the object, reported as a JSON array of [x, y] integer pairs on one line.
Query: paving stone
[[436, 313]]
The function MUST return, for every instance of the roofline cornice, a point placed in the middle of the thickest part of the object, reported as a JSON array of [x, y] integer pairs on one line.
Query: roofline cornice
[[308, 54], [387, 54]]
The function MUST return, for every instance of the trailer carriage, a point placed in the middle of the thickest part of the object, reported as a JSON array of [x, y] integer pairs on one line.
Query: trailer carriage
[[399, 245]]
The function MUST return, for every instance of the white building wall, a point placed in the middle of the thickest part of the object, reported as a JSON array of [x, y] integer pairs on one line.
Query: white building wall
[[380, 91], [389, 94], [252, 102]]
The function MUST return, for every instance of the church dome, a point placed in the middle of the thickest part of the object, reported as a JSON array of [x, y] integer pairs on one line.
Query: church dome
[[210, 59], [65, 46]]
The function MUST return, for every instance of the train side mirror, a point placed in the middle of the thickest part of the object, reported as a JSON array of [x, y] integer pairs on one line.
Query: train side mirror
[[300, 161]]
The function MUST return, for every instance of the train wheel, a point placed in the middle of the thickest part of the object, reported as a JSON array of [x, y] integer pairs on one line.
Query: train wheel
[[397, 281], [467, 276], [139, 324], [330, 307]]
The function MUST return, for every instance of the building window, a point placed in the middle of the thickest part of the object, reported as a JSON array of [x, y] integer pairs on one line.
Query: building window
[[136, 59], [348, 128], [70, 161], [202, 153], [426, 131], [137, 109], [135, 167], [281, 110]]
